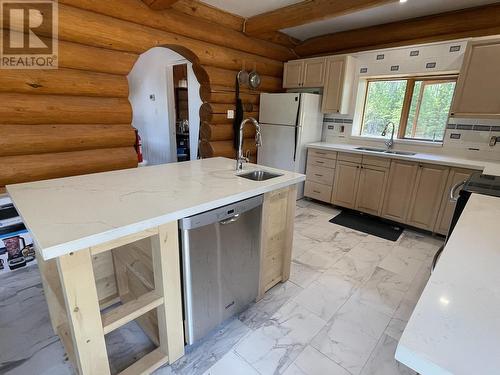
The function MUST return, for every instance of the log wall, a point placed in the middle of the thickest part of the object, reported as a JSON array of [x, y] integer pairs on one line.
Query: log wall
[[77, 119]]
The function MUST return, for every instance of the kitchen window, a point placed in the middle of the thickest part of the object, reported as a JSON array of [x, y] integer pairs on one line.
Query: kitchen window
[[419, 107]]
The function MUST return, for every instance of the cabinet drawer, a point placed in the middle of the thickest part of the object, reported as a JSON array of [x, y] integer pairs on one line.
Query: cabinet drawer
[[318, 191], [321, 175], [320, 162], [353, 158], [322, 154], [376, 161]]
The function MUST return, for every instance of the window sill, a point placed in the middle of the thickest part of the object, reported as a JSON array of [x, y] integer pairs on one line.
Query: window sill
[[399, 141]]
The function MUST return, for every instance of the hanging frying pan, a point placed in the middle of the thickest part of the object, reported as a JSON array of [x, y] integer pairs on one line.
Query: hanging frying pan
[[254, 80]]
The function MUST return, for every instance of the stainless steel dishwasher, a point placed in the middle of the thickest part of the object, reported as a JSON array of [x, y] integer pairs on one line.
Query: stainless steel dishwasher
[[220, 256]]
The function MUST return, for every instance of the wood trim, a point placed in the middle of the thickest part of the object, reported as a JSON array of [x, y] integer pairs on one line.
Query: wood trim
[[167, 277], [82, 308], [123, 241], [405, 113], [306, 12], [471, 22]]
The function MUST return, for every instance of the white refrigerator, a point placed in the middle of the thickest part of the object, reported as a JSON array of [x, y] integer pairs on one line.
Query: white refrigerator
[[288, 123]]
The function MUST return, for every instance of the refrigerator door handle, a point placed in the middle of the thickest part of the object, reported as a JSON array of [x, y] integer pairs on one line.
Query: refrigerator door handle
[[297, 119]]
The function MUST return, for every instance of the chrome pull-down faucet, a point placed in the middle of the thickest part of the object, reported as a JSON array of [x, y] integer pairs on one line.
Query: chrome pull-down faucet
[[258, 142], [390, 142]]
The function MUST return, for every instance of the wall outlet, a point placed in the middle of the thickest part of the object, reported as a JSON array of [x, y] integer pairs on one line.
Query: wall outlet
[[230, 114]]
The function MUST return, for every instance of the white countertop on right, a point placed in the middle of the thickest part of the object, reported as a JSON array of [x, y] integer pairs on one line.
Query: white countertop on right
[[455, 327]]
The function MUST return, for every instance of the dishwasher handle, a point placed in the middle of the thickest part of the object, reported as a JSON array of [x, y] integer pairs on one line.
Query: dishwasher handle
[[232, 219]]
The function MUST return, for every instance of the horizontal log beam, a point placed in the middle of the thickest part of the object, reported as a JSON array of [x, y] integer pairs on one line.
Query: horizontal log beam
[[306, 12], [59, 109], [221, 118], [227, 95], [209, 13], [83, 57], [159, 4], [226, 149], [25, 168], [183, 25], [471, 22], [38, 139], [222, 132], [208, 109], [64, 82], [214, 76]]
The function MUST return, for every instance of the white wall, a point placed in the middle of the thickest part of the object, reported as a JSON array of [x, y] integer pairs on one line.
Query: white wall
[[153, 106]]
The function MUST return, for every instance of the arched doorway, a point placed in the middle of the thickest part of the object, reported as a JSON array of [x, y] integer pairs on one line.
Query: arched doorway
[[152, 94]]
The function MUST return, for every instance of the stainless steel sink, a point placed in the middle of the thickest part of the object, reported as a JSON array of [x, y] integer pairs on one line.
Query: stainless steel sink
[[373, 149], [384, 151], [400, 152], [259, 175]]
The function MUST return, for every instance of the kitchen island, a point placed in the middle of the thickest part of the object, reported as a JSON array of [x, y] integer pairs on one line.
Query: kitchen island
[[111, 239]]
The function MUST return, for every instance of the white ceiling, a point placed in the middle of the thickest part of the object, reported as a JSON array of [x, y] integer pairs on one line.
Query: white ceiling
[[249, 8], [379, 15]]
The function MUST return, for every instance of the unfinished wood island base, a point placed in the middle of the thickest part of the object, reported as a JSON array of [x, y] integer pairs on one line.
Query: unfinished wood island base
[[108, 249], [81, 318]]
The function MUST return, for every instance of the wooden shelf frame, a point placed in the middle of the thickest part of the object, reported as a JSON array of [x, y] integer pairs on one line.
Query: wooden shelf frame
[[75, 308]]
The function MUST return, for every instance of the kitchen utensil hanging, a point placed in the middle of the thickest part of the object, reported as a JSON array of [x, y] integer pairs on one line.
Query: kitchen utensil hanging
[[243, 77], [254, 79]]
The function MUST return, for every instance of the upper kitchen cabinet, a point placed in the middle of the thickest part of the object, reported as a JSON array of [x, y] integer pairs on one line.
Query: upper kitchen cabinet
[[479, 78], [339, 83], [304, 73]]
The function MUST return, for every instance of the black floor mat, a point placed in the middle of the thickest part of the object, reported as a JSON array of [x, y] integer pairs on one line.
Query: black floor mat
[[368, 224]]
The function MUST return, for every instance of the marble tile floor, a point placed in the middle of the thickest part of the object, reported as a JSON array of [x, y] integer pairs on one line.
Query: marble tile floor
[[341, 313]]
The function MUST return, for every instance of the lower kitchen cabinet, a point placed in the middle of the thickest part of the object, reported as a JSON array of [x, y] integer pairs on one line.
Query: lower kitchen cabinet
[[427, 196], [345, 184], [447, 207], [399, 190], [371, 189]]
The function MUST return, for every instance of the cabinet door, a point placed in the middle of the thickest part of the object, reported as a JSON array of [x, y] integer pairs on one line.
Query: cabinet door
[[334, 85], [314, 72], [293, 74], [371, 189], [345, 184], [427, 195], [399, 189], [479, 78], [447, 207]]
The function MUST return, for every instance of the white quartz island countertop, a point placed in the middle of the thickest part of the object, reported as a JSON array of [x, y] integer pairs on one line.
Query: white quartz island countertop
[[73, 213]]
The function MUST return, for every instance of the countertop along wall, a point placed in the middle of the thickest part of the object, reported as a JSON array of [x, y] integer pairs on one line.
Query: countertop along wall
[[77, 119], [431, 59]]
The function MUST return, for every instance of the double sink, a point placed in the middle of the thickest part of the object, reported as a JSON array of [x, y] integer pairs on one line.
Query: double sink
[[384, 151], [261, 175]]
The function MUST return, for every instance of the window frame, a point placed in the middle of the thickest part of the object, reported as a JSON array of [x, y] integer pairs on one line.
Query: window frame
[[405, 110]]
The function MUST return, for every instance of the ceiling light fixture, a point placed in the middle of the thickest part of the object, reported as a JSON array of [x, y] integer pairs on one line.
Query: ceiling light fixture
[[403, 1]]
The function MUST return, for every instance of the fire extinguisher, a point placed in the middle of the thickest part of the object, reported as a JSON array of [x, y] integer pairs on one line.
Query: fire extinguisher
[[138, 145]]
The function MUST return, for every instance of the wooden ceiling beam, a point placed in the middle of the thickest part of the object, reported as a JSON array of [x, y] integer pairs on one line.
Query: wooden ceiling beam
[[160, 4], [306, 12], [471, 22]]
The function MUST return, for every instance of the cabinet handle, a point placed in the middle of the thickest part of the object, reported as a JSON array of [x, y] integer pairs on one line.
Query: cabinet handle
[[320, 162], [317, 192], [321, 153], [318, 175]]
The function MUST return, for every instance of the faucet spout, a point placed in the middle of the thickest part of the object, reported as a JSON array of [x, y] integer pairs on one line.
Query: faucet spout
[[258, 142], [390, 142]]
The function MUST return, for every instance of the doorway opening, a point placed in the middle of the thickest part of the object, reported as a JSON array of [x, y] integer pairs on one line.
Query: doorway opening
[[164, 92]]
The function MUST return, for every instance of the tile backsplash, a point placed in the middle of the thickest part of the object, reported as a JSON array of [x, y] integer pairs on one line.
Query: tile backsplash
[[463, 137]]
